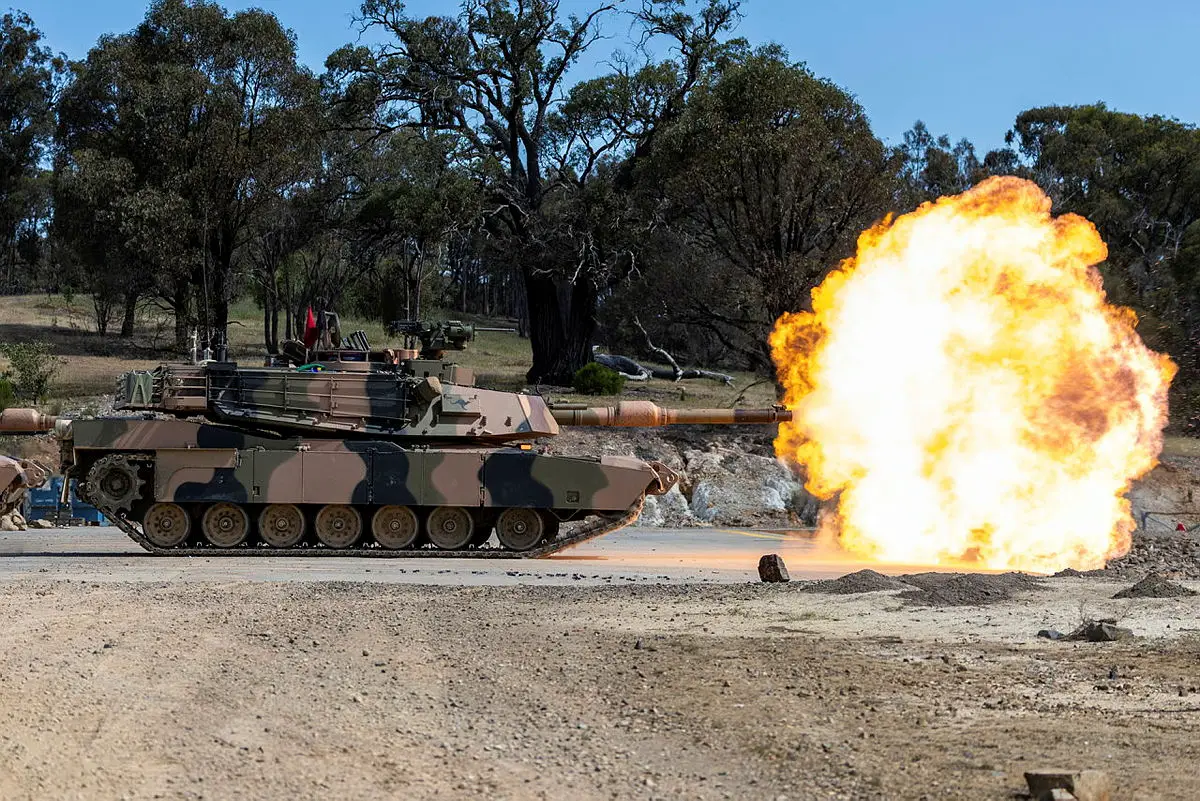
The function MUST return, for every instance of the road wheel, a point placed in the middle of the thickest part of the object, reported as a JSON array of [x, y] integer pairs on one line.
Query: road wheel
[[281, 525], [225, 525], [520, 529], [395, 527], [338, 526], [166, 524], [450, 527]]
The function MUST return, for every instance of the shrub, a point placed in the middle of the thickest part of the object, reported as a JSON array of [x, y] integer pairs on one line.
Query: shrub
[[596, 379], [32, 368], [7, 396]]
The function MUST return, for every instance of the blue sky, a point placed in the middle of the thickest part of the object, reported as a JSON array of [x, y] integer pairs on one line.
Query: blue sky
[[965, 67]]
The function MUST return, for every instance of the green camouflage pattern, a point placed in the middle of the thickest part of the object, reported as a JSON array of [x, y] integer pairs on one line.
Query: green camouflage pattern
[[196, 462], [397, 442]]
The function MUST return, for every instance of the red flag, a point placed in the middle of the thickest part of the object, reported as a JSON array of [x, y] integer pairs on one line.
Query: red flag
[[1180, 527], [310, 329]]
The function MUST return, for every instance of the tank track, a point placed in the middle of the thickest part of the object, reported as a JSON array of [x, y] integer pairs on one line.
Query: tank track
[[603, 524]]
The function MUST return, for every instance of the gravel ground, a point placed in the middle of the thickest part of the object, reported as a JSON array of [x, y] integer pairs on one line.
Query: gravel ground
[[339, 690]]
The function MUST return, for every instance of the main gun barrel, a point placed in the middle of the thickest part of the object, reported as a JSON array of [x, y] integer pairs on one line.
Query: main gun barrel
[[644, 414], [26, 421]]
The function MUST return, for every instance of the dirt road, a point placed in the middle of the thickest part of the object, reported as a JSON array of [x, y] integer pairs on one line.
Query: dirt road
[[351, 690]]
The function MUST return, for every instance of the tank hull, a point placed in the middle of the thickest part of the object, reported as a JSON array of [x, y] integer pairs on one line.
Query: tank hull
[[137, 471]]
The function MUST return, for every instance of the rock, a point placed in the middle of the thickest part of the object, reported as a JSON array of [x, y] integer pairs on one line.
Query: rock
[[1051, 634], [771, 569], [40, 524], [1100, 631], [668, 511], [9, 522], [1081, 785]]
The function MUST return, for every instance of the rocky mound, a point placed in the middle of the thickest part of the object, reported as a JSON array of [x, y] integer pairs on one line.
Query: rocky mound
[[966, 589], [1174, 554], [728, 476], [855, 583], [1155, 586]]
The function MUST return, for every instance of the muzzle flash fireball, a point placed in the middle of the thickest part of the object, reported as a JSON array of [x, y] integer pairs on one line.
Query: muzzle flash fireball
[[965, 393]]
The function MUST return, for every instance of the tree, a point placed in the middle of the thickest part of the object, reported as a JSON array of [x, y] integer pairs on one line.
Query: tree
[[934, 168], [769, 175], [413, 199], [28, 76], [1138, 179], [495, 76], [206, 112]]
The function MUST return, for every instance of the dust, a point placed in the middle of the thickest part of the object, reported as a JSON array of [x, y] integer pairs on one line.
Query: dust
[[1155, 586]]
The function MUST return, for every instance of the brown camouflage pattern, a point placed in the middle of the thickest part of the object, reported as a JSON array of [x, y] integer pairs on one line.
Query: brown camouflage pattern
[[197, 462], [17, 476], [380, 434]]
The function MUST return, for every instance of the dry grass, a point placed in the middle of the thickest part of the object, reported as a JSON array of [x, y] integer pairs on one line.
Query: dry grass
[[91, 363]]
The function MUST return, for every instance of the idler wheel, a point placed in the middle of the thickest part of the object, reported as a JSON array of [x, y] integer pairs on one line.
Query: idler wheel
[[166, 525], [395, 527], [225, 525], [338, 526], [520, 529], [450, 527], [281, 525], [113, 483]]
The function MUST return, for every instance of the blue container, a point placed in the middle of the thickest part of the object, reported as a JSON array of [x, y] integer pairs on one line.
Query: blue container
[[43, 504]]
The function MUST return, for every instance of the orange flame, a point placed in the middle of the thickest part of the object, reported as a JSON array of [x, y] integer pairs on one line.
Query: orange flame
[[965, 392]]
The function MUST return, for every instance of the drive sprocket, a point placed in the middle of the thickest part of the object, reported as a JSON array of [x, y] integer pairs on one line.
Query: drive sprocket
[[113, 483]]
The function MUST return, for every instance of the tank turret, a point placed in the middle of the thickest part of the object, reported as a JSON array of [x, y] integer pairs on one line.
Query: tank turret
[[391, 452]]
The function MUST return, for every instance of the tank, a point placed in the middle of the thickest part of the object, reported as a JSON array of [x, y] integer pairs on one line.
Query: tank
[[344, 451], [17, 477]]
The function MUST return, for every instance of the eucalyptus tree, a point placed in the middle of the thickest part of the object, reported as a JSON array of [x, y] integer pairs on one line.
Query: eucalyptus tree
[[29, 73], [210, 113], [498, 76]]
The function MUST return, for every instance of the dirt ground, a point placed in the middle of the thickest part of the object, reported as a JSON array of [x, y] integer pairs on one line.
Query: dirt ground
[[737, 691]]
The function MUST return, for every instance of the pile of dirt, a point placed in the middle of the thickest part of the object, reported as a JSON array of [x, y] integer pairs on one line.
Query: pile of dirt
[[855, 583], [1155, 586], [966, 589]]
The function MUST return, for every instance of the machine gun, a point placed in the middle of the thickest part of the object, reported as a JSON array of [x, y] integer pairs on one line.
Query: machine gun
[[437, 337]]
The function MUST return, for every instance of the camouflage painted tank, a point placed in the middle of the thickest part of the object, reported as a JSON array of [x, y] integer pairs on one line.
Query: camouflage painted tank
[[361, 452], [16, 477]]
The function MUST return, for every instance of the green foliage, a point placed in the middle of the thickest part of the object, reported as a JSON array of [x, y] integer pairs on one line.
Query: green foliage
[[596, 379], [176, 139], [32, 368], [28, 74], [7, 395], [1138, 179], [769, 175]]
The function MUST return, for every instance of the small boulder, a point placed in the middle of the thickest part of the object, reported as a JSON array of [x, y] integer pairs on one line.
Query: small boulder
[[1050, 634], [40, 524], [771, 569], [1081, 785]]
